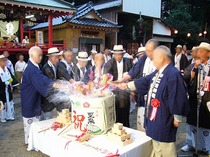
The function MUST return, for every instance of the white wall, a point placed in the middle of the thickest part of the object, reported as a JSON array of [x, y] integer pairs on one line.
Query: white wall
[[151, 8], [161, 29]]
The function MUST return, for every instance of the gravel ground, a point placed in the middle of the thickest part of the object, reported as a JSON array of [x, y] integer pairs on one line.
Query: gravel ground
[[12, 140]]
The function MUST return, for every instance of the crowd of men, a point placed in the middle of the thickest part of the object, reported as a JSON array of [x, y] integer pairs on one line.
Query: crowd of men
[[164, 87]]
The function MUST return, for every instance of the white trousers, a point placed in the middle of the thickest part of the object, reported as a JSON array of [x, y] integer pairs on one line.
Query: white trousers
[[27, 125], [140, 118], [8, 111]]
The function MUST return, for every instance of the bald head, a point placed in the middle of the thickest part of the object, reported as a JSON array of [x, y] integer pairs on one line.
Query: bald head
[[99, 59], [161, 56], [150, 46], [35, 54]]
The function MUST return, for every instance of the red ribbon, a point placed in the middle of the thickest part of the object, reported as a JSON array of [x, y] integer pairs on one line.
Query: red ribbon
[[155, 105], [77, 138], [114, 155]]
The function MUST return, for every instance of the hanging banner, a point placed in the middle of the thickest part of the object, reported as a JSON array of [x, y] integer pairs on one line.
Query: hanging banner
[[7, 29]]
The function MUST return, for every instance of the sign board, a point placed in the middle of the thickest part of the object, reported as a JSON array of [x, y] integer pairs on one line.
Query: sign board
[[39, 37], [151, 8]]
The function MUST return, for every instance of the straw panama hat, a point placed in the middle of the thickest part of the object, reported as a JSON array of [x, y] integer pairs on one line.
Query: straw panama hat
[[53, 52], [141, 50], [93, 51], [82, 56], [2, 57], [118, 49], [194, 48], [205, 46], [179, 46]]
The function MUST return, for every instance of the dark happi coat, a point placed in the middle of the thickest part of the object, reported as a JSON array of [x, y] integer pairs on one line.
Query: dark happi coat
[[204, 116], [172, 95], [34, 85], [137, 72]]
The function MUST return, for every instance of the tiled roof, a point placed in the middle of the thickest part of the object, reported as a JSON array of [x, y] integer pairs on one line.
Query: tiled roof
[[49, 3], [56, 21], [81, 18], [111, 4]]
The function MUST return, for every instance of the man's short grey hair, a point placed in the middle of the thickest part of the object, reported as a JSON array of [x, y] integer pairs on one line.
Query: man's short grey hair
[[164, 50], [154, 41], [33, 50]]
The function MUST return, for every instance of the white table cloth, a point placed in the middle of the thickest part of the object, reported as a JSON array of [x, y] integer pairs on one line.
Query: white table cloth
[[51, 144]]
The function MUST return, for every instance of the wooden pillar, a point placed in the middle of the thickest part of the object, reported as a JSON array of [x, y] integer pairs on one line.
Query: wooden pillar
[[21, 30], [29, 34], [50, 30]]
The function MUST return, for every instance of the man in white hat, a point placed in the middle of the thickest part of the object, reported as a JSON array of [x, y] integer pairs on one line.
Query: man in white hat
[[180, 60], [65, 66], [202, 63], [91, 61], [81, 67], [119, 66], [7, 113], [49, 70], [140, 53], [194, 54]]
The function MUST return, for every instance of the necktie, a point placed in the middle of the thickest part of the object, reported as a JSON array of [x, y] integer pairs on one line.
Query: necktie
[[83, 70], [54, 70]]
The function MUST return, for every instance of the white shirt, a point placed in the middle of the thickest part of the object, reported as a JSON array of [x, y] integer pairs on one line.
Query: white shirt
[[4, 74], [120, 69], [34, 63], [52, 66], [10, 66], [148, 67], [177, 59], [106, 58], [81, 72], [20, 66]]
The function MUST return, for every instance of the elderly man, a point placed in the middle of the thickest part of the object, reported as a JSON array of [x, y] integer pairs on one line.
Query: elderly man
[[166, 102], [107, 56], [7, 112], [180, 59], [96, 71], [202, 63], [91, 61], [119, 66], [142, 68], [9, 64], [34, 85], [65, 66], [49, 70], [81, 67], [20, 67]]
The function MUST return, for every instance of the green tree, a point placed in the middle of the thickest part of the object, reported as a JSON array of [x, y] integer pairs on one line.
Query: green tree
[[176, 13]]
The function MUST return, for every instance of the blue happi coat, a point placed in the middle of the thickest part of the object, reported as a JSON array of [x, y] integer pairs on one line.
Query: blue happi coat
[[137, 72], [171, 92], [34, 85]]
